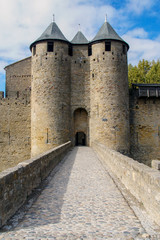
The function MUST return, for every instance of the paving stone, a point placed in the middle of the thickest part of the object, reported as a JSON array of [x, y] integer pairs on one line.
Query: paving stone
[[81, 201]]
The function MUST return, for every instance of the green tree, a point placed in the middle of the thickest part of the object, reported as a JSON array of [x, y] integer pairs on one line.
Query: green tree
[[144, 67], [153, 76], [133, 74], [145, 72]]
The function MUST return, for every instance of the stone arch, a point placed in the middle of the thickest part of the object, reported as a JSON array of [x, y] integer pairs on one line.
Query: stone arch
[[81, 127]]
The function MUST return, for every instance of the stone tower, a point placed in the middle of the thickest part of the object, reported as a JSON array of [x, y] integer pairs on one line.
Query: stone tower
[[109, 96], [79, 90], [50, 97]]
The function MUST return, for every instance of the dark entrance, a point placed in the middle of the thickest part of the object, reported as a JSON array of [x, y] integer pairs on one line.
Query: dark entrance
[[80, 139]]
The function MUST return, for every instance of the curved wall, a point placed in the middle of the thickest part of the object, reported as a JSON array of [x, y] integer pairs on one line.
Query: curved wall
[[109, 96], [50, 98]]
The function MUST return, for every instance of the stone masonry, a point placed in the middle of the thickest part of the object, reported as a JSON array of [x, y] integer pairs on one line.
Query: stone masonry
[[145, 129], [73, 206], [47, 94]]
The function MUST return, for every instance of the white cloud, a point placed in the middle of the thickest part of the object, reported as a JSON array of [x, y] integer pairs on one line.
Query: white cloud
[[142, 49], [137, 32], [2, 64], [23, 21], [138, 6]]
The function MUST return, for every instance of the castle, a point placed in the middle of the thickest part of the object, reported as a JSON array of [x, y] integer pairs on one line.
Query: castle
[[77, 91]]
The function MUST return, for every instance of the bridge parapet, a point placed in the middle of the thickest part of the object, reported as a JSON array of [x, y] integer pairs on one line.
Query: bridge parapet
[[142, 181], [17, 183]]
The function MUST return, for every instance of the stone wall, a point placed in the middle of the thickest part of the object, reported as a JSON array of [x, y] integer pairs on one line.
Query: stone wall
[[15, 120], [18, 78], [17, 183], [142, 181], [109, 96], [145, 129], [15, 131], [80, 83], [50, 105]]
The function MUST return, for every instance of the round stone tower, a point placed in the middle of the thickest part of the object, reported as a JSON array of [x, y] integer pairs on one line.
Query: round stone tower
[[50, 95], [109, 93]]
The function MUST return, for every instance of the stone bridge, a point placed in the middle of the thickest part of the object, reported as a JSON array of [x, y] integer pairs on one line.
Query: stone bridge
[[86, 196]]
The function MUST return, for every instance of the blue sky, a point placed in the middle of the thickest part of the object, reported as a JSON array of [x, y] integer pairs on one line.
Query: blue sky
[[23, 21]]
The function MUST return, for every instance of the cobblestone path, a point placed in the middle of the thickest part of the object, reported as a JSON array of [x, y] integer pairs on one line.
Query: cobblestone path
[[81, 201]]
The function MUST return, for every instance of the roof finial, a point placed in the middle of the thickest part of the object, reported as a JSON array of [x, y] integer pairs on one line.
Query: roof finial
[[106, 18], [79, 27], [53, 17]]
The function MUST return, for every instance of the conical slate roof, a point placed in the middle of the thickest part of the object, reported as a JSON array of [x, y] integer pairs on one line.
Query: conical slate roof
[[51, 33], [107, 32], [79, 39]]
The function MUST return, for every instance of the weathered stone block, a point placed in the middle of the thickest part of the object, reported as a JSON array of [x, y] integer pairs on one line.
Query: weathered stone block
[[18, 182], [1, 94], [155, 164], [147, 186]]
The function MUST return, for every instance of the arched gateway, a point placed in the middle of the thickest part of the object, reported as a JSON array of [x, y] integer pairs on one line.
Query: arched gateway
[[81, 127]]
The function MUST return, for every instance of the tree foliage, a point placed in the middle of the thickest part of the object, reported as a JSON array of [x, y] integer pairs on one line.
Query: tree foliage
[[145, 72]]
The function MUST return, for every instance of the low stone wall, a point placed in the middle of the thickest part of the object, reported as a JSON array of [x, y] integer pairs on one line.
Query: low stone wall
[[17, 183], [142, 181]]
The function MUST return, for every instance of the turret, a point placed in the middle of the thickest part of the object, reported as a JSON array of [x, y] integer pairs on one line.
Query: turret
[[109, 89], [50, 95]]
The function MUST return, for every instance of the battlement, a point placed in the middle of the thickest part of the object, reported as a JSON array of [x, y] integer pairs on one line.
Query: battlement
[[23, 99]]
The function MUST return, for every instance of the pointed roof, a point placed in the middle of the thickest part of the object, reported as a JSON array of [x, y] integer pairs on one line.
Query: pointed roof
[[107, 32], [79, 38], [51, 33]]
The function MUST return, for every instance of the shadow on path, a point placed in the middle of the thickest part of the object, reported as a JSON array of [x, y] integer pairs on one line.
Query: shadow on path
[[44, 205]]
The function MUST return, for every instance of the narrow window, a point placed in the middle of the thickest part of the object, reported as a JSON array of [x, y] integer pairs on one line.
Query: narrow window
[[70, 50], [108, 46], [34, 50], [50, 47], [124, 49], [89, 50]]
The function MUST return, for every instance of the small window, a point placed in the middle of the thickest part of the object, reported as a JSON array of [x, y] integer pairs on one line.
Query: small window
[[34, 50], [89, 50], [108, 46], [50, 47], [124, 49], [70, 50]]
